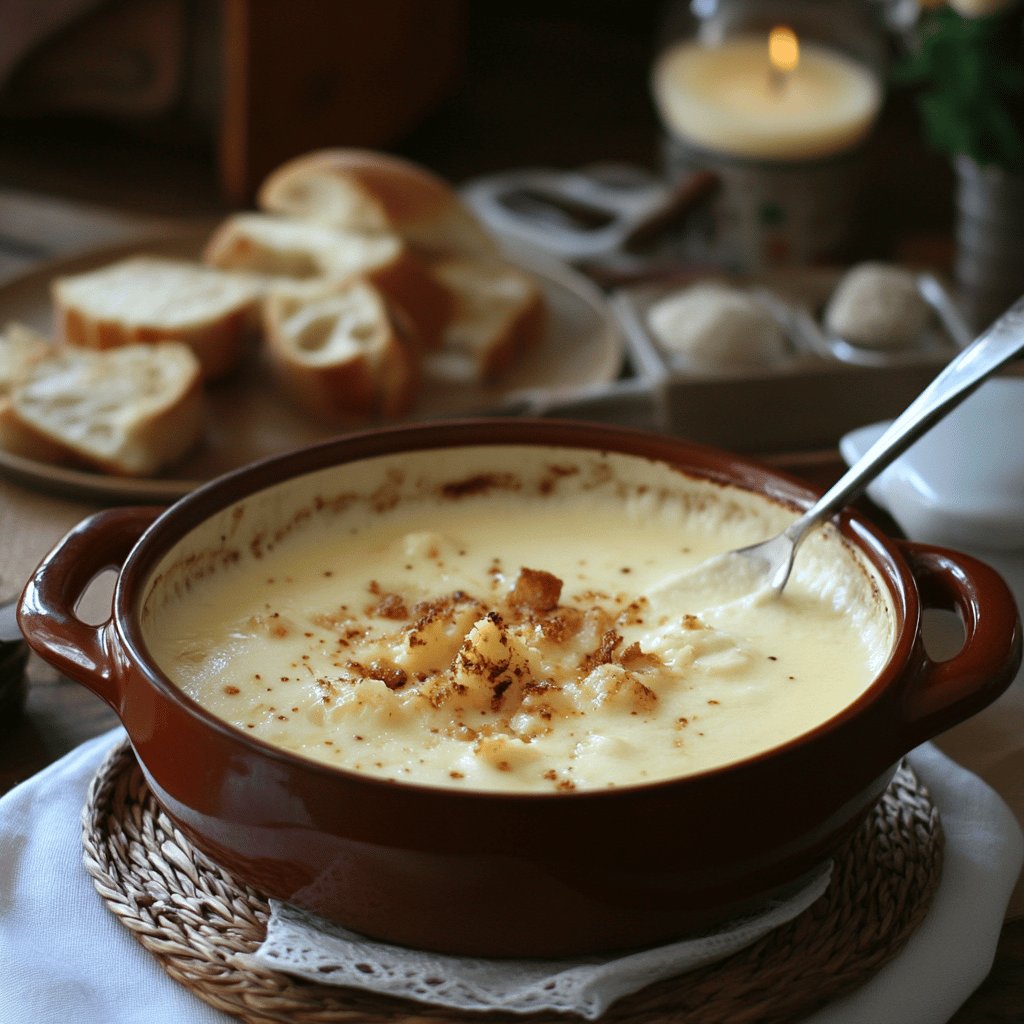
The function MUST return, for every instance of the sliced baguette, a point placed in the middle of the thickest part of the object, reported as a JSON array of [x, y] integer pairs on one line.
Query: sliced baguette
[[20, 439], [290, 247], [150, 298], [499, 314], [362, 190], [21, 348], [344, 356], [129, 411], [303, 250]]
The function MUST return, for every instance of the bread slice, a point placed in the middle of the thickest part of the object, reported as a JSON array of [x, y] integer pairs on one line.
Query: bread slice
[[264, 243], [129, 411], [362, 190], [19, 439], [21, 348], [152, 298], [344, 356], [499, 314], [303, 250]]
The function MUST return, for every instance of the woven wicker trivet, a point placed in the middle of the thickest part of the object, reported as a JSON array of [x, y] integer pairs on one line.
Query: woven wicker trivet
[[200, 923]]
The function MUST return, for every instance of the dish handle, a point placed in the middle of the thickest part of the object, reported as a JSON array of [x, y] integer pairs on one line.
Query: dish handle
[[944, 693], [48, 614]]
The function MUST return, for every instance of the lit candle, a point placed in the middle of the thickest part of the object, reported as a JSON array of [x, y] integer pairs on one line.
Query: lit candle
[[768, 102], [783, 56]]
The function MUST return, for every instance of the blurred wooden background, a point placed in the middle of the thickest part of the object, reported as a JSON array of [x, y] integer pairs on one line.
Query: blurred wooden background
[[180, 106]]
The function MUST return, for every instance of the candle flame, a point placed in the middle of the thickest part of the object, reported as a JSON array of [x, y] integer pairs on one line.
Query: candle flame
[[783, 49]]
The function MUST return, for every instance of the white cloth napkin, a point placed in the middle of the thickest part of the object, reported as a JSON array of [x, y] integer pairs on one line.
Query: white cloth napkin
[[64, 956]]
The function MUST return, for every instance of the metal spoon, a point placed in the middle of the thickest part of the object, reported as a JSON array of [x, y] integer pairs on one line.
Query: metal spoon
[[767, 565]]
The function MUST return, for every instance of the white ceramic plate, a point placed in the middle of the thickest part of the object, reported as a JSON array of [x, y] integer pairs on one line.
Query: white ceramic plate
[[582, 349]]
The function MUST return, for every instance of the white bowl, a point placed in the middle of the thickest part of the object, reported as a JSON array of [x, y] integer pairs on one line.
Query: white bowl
[[962, 484]]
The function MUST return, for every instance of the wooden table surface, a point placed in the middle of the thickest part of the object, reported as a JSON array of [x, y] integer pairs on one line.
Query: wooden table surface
[[59, 714]]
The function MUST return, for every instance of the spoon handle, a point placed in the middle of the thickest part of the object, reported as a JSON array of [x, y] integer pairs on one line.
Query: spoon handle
[[993, 349]]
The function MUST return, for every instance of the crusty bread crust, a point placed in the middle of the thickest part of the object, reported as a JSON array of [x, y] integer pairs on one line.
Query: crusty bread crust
[[424, 300], [369, 191], [375, 380], [95, 310]]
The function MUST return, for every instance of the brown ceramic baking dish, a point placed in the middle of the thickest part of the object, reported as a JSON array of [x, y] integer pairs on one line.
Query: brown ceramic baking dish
[[513, 874]]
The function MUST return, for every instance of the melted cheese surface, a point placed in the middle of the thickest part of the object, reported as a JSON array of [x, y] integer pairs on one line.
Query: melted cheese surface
[[510, 642]]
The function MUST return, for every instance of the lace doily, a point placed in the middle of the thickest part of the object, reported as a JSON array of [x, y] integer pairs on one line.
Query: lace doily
[[300, 944]]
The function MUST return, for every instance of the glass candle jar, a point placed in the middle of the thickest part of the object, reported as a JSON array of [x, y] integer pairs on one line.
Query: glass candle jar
[[777, 97]]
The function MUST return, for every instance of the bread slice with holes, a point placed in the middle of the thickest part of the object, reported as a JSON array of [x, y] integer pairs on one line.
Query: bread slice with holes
[[363, 190], [21, 348], [151, 298], [19, 439], [297, 250], [346, 355], [128, 411], [499, 316]]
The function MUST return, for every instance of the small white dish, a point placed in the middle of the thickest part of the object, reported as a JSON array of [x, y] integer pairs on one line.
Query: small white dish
[[962, 484]]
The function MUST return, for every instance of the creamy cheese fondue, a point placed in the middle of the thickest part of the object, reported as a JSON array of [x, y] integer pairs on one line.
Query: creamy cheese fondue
[[501, 631]]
